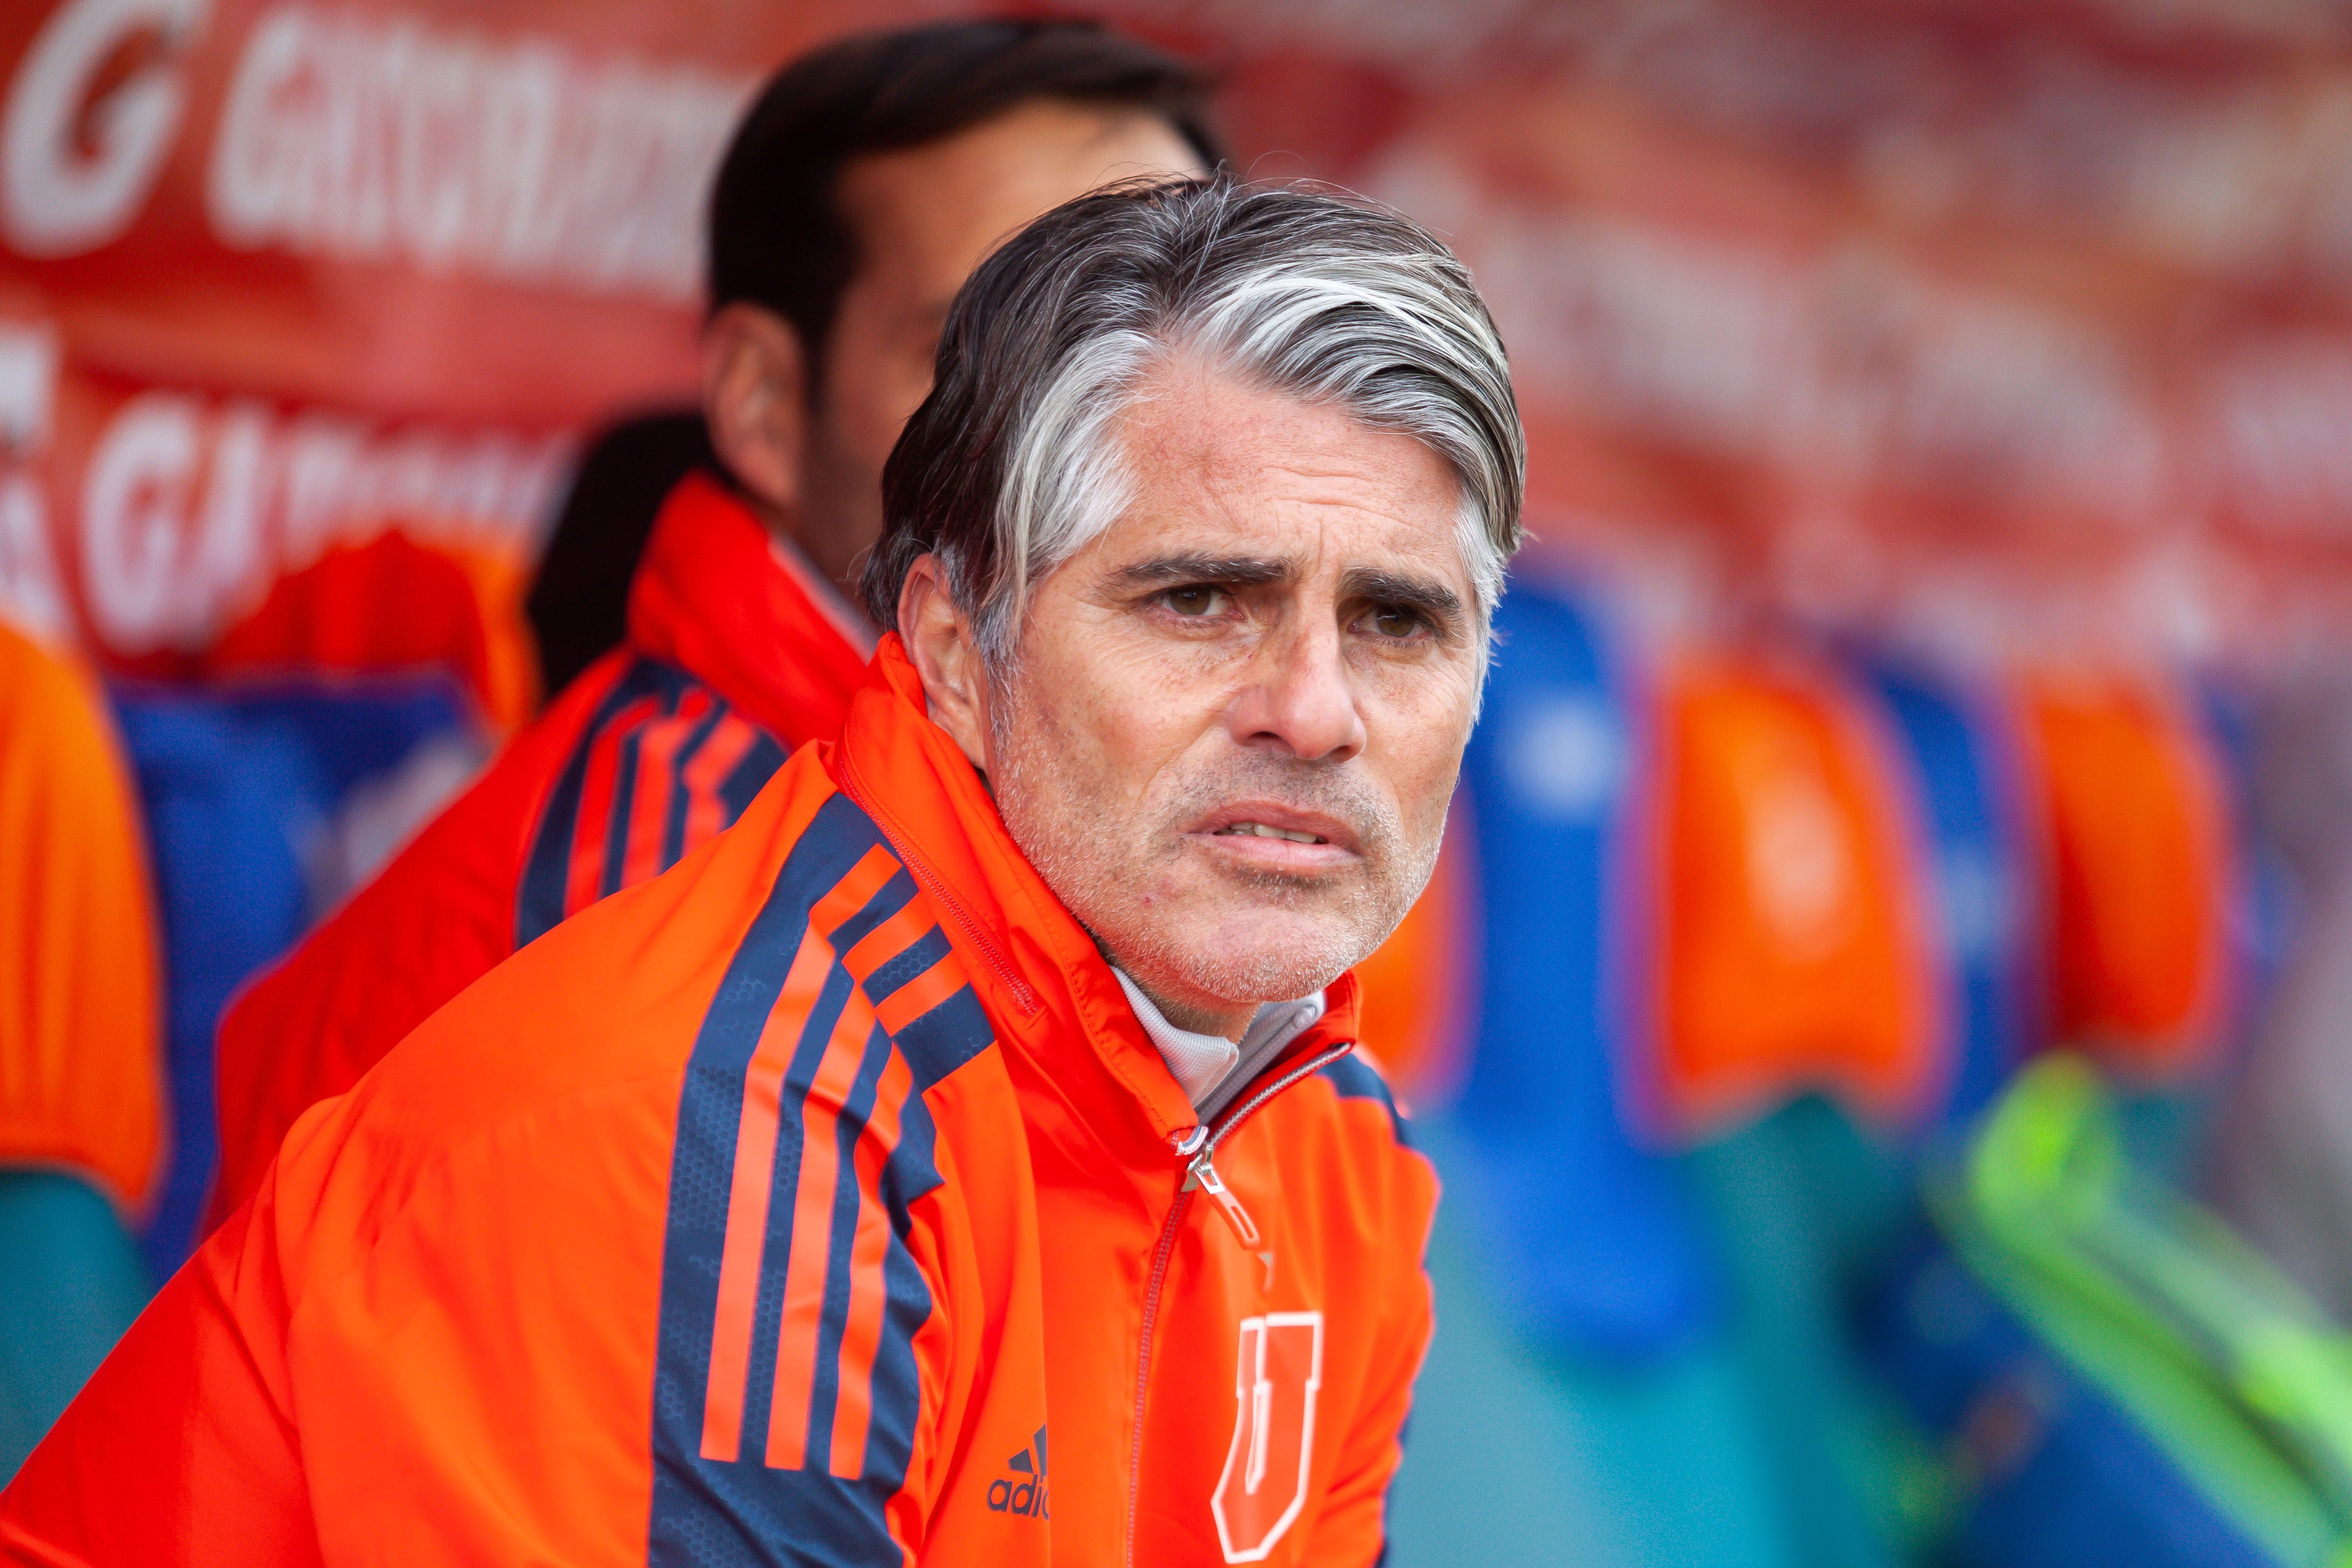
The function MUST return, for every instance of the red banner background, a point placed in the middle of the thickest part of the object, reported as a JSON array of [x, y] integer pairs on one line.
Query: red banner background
[[2013, 328]]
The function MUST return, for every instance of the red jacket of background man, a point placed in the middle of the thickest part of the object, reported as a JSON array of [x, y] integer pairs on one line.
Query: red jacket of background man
[[820, 1201], [737, 653]]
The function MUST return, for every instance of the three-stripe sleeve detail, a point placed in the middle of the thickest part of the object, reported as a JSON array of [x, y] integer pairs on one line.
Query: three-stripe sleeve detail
[[787, 1390], [662, 764]]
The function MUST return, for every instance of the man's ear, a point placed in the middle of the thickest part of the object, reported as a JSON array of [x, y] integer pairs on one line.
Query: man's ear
[[755, 401], [939, 643]]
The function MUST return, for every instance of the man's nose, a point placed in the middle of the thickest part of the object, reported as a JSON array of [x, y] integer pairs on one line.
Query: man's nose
[[1298, 698]]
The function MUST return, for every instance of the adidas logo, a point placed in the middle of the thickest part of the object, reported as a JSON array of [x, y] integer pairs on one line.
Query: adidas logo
[[1023, 1491]]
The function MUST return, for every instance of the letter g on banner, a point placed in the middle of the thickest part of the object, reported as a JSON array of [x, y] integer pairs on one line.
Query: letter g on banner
[[1275, 1374], [74, 173]]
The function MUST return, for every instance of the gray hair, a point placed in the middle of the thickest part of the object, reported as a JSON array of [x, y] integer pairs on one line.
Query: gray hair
[[1010, 465]]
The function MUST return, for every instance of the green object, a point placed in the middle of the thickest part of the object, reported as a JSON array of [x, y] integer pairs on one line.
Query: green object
[[70, 1281], [2226, 1366]]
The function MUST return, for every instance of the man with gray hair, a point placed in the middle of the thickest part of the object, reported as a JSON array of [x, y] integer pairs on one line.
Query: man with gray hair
[[962, 1159]]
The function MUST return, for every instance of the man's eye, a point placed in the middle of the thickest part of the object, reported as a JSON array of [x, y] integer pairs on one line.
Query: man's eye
[[1199, 599], [1396, 622]]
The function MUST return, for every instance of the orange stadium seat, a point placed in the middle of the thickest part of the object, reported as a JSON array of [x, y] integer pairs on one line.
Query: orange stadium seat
[[2135, 819], [1794, 951]]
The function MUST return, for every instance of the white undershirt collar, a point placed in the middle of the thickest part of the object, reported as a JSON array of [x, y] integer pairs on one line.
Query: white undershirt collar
[[1200, 1063]]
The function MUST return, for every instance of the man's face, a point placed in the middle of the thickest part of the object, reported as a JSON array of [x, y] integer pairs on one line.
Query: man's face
[[1233, 724], [924, 219]]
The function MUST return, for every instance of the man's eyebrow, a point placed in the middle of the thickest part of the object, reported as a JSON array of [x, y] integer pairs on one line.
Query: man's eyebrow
[[1225, 570], [1439, 604]]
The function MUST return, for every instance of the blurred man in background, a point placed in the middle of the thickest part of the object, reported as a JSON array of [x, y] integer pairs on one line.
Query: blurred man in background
[[863, 186]]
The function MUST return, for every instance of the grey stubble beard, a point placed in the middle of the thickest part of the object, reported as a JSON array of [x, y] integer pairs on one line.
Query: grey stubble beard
[[1077, 840]]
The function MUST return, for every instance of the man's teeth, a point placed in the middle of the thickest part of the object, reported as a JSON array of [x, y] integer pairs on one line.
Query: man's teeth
[[1263, 832]]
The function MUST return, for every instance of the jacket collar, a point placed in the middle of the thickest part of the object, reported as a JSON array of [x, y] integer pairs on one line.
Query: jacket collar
[[720, 597], [1203, 1062], [1044, 985]]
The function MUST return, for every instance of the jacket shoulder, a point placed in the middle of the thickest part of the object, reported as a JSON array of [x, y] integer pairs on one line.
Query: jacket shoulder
[[654, 761], [687, 1129], [1355, 1078], [621, 992], [1366, 1127], [1354, 1144], [434, 921]]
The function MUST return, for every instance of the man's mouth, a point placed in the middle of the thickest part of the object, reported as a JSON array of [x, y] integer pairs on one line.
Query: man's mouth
[[1260, 829], [1274, 835]]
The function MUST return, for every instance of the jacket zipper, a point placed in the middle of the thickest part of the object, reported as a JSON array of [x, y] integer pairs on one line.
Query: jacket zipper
[[1196, 1149]]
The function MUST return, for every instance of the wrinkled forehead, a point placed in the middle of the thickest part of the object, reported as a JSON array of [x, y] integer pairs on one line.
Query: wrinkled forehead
[[1217, 466]]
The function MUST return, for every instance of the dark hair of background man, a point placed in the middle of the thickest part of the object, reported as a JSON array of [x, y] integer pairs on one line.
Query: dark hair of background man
[[777, 239]]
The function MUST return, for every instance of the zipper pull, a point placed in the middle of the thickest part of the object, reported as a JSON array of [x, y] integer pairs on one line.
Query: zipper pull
[[1202, 1173]]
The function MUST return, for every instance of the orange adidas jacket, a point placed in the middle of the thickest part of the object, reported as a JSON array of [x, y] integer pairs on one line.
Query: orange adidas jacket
[[819, 1202], [735, 655]]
